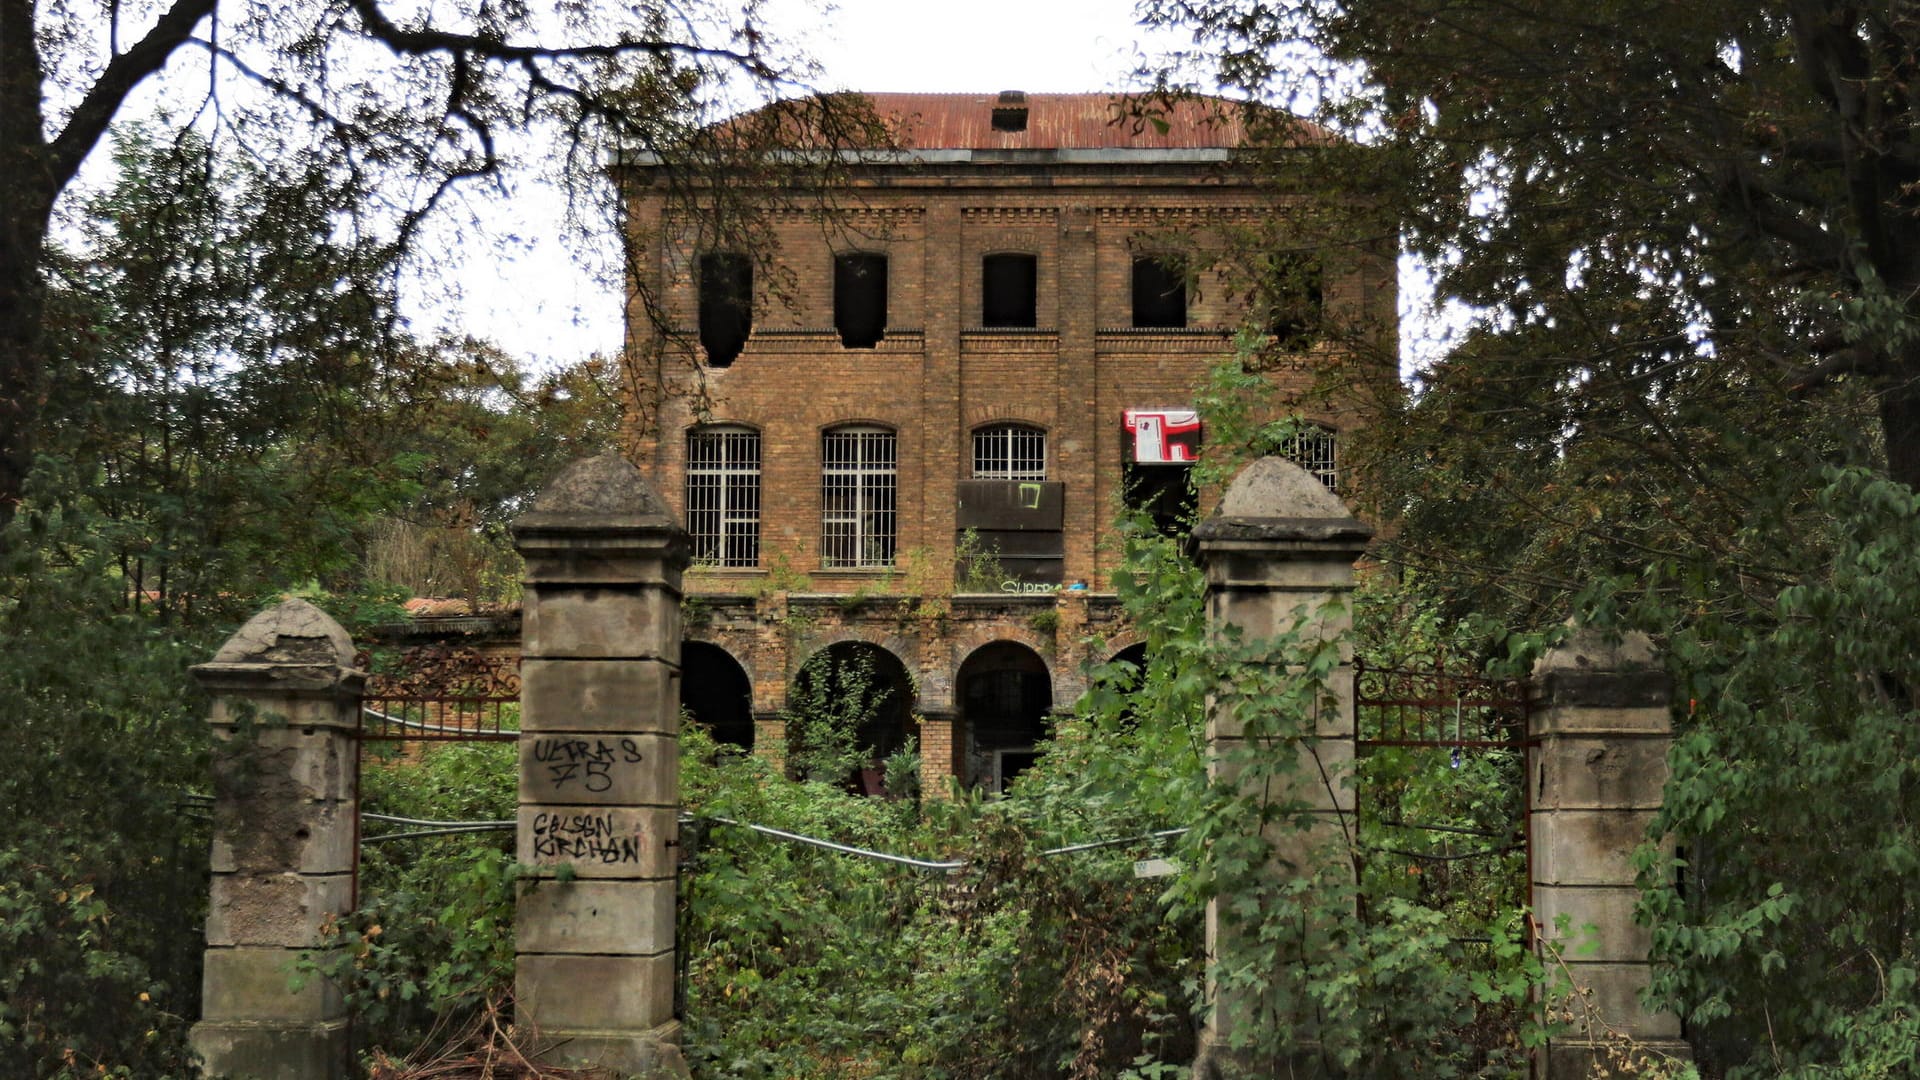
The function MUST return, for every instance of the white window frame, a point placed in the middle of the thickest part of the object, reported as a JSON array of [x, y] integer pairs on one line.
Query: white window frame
[[723, 496], [859, 470], [1009, 452]]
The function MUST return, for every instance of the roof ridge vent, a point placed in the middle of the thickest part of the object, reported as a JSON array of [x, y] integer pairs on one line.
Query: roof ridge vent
[[1010, 111]]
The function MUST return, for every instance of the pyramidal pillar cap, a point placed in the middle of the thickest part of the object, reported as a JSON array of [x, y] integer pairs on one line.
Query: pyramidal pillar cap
[[599, 505], [1274, 501], [605, 491], [292, 647]]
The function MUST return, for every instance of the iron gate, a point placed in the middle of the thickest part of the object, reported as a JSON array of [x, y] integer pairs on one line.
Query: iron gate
[[1442, 794]]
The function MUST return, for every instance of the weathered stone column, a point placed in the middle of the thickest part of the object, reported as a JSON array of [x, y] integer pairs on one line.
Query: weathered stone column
[[1280, 544], [286, 703], [1602, 730], [599, 769]]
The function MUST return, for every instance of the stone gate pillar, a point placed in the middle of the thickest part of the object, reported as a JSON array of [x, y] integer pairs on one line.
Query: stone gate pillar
[[286, 703], [599, 769], [1601, 727], [1279, 543]]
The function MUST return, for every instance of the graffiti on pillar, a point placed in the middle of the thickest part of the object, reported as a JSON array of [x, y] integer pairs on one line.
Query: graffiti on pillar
[[1163, 436], [591, 763], [582, 837]]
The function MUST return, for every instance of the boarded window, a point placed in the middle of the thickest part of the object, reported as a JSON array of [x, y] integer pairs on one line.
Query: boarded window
[[857, 520], [860, 299], [726, 305], [723, 495], [1159, 293], [1009, 289]]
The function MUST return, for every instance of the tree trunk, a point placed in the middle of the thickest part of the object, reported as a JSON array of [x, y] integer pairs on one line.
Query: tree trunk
[[26, 200], [1900, 423]]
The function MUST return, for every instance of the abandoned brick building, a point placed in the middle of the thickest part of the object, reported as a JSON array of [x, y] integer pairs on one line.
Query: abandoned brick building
[[989, 343]]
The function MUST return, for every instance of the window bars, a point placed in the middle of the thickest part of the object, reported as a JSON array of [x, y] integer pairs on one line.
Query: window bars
[[857, 498], [1314, 449], [1009, 452], [723, 496]]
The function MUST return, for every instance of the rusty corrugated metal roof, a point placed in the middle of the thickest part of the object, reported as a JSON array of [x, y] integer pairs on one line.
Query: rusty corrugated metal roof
[[929, 123], [1061, 121]]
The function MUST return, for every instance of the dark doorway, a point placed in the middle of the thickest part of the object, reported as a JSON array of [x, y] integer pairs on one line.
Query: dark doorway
[[860, 299], [1009, 290], [1006, 700], [715, 690], [726, 305]]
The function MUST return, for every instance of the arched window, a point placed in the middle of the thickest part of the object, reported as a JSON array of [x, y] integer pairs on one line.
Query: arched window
[[857, 477], [1009, 452], [723, 495]]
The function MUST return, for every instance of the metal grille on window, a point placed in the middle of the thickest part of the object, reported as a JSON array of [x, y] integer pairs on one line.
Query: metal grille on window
[[723, 496], [1009, 452], [857, 524], [1313, 450]]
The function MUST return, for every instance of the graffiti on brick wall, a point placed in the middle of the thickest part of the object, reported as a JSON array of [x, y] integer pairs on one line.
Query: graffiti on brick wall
[[1163, 436]]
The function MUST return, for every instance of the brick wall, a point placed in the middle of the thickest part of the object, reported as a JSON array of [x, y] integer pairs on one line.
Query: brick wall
[[937, 376]]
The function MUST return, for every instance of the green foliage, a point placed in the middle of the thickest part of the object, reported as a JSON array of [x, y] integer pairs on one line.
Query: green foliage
[[102, 861], [1794, 792], [832, 697], [430, 947], [483, 436], [976, 566], [908, 973], [218, 376]]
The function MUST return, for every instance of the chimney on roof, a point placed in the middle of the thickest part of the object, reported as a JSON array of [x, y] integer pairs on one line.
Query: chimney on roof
[[1010, 111]]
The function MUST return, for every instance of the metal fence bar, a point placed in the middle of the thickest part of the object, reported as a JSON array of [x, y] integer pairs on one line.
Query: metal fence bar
[[428, 827]]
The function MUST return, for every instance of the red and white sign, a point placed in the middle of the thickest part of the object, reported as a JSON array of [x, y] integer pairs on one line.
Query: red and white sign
[[1164, 436]]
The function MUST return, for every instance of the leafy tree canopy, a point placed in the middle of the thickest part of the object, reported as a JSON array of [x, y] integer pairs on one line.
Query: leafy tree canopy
[[1690, 404], [388, 108]]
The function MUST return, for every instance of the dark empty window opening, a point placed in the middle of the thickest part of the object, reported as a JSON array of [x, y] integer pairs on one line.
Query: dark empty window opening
[[1010, 111], [860, 299], [1159, 293], [1293, 301], [1009, 291], [726, 305], [1164, 493], [1005, 697]]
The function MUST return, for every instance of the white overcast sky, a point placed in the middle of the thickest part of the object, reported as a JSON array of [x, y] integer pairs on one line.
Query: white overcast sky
[[540, 298]]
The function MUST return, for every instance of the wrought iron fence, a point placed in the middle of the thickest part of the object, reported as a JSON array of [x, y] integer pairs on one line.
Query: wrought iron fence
[[438, 693], [1442, 804]]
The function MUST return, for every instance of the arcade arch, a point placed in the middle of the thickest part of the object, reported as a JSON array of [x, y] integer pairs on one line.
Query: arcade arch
[[1004, 696]]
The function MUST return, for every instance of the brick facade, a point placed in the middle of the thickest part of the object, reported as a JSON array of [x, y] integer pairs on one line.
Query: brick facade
[[1084, 198]]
